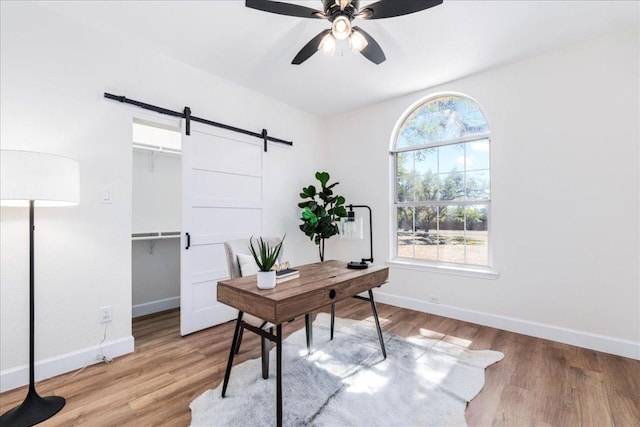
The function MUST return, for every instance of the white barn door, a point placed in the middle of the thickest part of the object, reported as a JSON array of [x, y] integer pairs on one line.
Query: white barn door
[[222, 200]]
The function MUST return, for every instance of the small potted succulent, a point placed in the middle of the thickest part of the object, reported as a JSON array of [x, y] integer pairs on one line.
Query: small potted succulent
[[266, 257]]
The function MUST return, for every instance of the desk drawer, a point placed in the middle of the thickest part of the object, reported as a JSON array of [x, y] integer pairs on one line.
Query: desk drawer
[[332, 292]]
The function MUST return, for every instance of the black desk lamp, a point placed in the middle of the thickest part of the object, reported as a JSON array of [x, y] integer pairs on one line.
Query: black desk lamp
[[40, 179], [351, 228]]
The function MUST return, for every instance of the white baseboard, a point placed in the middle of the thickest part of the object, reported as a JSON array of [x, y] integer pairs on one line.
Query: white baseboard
[[155, 306], [597, 342], [48, 368]]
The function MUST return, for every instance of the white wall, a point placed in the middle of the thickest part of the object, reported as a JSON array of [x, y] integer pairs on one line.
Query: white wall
[[157, 192], [53, 75], [565, 190], [155, 276]]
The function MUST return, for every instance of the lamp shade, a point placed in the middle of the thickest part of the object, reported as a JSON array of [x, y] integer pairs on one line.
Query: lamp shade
[[351, 228], [357, 42], [328, 45], [47, 179]]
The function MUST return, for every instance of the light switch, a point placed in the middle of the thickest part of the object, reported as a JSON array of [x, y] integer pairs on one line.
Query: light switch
[[105, 196]]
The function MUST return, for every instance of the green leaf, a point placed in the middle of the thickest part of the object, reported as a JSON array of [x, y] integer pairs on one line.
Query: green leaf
[[307, 214], [311, 204], [308, 229], [309, 192], [340, 201], [323, 222], [323, 177], [340, 211]]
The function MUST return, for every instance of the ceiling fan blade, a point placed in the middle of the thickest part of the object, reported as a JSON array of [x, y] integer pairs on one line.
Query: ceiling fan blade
[[285, 9], [309, 48], [373, 52], [391, 8]]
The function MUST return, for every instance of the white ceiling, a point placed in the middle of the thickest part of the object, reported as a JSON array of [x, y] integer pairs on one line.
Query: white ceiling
[[254, 49]]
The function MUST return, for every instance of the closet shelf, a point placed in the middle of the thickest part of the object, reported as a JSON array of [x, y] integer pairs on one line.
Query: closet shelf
[[156, 235], [153, 153], [157, 149]]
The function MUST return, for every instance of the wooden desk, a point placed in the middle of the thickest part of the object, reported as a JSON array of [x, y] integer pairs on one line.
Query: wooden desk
[[319, 285]]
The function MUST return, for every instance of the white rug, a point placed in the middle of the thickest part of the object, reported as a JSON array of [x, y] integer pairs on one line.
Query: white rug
[[345, 382]]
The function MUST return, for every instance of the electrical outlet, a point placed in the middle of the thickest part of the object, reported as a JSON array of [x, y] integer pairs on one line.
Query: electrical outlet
[[433, 299], [106, 314]]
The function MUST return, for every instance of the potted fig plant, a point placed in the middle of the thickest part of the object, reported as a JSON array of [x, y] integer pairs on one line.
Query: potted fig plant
[[265, 257], [321, 212]]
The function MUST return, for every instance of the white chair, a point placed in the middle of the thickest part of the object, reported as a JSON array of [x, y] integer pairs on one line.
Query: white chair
[[237, 250], [233, 248]]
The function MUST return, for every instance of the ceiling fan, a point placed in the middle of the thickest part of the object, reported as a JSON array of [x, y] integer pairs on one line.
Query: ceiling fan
[[341, 13]]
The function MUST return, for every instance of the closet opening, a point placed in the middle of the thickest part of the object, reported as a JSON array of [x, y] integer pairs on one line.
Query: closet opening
[[156, 218]]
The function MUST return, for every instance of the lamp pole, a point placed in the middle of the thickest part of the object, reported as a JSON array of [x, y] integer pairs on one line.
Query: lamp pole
[[34, 409]]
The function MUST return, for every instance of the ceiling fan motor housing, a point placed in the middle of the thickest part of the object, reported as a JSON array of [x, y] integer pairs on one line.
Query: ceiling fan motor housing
[[332, 10]]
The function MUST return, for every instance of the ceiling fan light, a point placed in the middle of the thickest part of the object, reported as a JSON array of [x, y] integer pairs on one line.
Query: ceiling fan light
[[328, 45], [341, 28], [357, 42]]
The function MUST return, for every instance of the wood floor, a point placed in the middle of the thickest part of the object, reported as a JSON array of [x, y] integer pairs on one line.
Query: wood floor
[[539, 382]]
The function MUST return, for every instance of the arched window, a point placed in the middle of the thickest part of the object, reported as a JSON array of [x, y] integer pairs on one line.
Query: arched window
[[442, 198]]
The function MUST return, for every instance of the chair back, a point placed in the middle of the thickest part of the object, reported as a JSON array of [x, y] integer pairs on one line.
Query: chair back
[[241, 246]]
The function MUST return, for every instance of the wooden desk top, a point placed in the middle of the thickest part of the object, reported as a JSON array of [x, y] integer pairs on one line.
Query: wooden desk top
[[319, 285]]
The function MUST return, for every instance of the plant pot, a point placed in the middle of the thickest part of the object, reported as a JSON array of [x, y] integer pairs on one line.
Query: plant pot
[[266, 279]]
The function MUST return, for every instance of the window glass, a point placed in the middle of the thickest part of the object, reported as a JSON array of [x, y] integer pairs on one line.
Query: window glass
[[444, 118], [442, 183]]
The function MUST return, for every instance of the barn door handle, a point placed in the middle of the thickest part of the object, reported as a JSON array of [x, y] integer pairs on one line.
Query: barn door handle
[[188, 241]]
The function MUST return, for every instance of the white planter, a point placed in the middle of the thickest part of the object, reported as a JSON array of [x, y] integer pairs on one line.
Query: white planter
[[266, 279]]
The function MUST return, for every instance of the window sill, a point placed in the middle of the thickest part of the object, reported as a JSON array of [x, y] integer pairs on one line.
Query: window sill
[[478, 272]]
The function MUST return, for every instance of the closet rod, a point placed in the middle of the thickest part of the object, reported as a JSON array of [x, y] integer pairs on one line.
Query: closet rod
[[187, 115]]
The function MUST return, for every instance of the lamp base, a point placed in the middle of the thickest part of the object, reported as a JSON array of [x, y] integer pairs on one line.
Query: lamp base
[[357, 265], [33, 410]]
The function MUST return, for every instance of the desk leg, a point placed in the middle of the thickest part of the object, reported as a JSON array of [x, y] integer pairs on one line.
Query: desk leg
[[279, 375], [266, 346], [308, 325], [333, 318], [375, 316], [234, 343]]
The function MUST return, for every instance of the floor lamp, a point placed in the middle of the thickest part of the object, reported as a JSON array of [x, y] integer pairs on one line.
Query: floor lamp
[[36, 179]]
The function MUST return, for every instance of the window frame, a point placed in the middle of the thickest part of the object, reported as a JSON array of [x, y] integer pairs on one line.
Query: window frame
[[472, 270]]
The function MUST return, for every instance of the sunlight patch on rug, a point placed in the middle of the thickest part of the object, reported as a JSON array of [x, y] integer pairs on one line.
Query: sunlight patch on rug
[[346, 382]]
